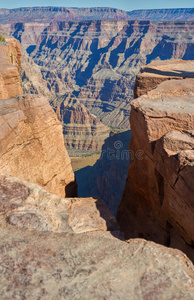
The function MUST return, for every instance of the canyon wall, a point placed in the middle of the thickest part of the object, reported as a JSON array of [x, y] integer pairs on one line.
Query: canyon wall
[[31, 140], [98, 60], [157, 203], [83, 132], [31, 77], [32, 144], [50, 13], [10, 62]]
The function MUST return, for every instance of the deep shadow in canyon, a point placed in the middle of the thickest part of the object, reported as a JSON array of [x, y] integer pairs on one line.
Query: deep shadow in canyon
[[106, 179]]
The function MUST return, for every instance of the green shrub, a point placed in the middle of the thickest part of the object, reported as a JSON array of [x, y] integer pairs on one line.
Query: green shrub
[[2, 39], [12, 57]]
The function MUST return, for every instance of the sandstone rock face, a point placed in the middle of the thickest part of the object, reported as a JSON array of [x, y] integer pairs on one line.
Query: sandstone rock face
[[28, 205], [10, 62], [32, 145], [82, 130], [43, 255], [158, 71], [158, 199], [98, 60]]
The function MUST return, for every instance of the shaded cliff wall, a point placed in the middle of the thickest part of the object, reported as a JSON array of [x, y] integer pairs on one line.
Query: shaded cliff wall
[[157, 203], [107, 177]]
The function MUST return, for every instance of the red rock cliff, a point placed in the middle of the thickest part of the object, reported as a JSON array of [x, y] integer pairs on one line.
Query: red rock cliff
[[31, 140], [158, 201], [10, 62]]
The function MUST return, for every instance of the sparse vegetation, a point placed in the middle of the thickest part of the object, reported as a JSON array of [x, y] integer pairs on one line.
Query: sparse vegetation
[[91, 154], [2, 39], [11, 57], [117, 130]]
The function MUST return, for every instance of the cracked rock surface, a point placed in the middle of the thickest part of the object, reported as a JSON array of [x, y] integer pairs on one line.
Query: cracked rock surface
[[32, 145], [44, 256]]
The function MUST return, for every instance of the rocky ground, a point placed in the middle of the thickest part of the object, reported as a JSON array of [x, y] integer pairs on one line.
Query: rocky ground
[[59, 249]]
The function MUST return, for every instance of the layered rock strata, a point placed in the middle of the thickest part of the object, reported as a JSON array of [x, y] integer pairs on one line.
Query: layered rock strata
[[82, 130], [47, 251], [50, 13], [10, 62], [158, 71], [158, 199], [98, 60], [31, 77], [32, 144]]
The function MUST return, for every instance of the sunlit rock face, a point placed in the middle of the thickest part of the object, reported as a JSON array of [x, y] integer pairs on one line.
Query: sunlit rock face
[[32, 144], [10, 62], [158, 199], [31, 139]]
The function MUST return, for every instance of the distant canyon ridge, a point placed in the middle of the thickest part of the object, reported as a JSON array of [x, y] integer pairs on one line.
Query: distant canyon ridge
[[90, 58], [51, 13]]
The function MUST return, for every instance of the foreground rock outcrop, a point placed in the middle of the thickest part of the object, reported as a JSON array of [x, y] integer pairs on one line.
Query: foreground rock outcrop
[[158, 201], [158, 71], [44, 255], [28, 205], [10, 62], [32, 144]]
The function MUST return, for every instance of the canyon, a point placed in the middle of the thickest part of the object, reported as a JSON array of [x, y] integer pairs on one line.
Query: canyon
[[98, 60], [92, 60], [55, 245], [83, 132], [106, 179]]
